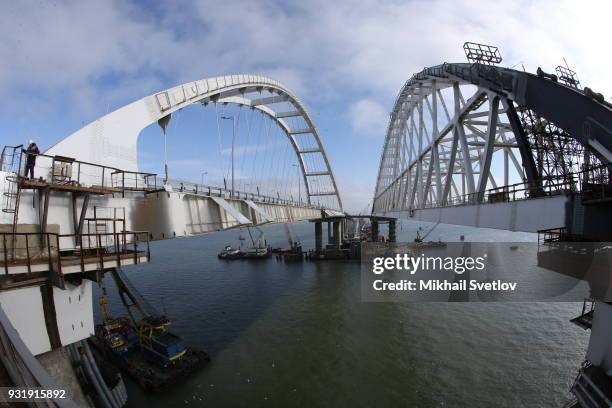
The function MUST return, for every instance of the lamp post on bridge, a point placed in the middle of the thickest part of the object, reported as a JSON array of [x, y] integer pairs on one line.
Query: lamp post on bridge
[[299, 185], [233, 119]]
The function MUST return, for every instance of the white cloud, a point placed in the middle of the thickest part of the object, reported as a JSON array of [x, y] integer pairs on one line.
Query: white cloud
[[368, 117], [320, 48]]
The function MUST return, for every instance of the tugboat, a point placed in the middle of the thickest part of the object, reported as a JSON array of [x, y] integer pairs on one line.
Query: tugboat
[[144, 348], [230, 253]]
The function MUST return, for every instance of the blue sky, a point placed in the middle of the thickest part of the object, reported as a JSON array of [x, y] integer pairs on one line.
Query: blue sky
[[63, 64]]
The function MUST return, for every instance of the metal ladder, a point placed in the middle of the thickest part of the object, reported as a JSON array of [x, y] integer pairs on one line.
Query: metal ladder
[[10, 162]]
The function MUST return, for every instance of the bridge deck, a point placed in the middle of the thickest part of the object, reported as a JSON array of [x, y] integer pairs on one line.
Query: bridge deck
[[26, 255], [74, 187]]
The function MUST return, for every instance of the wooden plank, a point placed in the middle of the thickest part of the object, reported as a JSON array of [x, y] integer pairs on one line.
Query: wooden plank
[[27, 282]]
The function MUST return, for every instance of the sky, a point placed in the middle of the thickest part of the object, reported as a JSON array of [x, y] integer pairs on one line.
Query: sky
[[65, 63]]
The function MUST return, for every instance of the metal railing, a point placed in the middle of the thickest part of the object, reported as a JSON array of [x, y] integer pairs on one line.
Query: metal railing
[[66, 171], [11, 155], [10, 162], [593, 183], [552, 236], [195, 188], [33, 248]]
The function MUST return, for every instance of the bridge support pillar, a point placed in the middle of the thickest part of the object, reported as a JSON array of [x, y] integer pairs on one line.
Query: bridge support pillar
[[374, 231], [318, 237], [392, 235], [337, 236]]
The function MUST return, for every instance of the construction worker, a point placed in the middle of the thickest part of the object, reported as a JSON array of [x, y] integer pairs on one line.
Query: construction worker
[[31, 153]]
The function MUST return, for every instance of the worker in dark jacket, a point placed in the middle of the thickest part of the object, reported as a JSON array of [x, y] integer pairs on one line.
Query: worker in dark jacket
[[31, 153]]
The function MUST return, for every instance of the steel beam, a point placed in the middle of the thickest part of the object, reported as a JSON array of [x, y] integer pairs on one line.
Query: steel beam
[[450, 169], [317, 173], [531, 172], [300, 131], [269, 100], [288, 114], [485, 169]]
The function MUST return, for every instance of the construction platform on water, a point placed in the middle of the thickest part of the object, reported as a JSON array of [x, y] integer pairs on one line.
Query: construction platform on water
[[141, 345], [345, 235]]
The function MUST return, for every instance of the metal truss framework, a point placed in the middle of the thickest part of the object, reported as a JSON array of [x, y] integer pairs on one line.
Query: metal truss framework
[[455, 132], [112, 139]]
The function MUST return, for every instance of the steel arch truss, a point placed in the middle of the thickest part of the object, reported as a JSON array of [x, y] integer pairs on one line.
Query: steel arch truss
[[455, 133], [440, 146]]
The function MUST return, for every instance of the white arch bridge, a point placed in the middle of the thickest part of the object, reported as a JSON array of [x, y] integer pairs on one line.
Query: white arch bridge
[[486, 146], [96, 168], [90, 208]]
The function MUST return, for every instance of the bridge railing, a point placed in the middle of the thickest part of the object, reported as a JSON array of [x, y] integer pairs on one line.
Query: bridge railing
[[594, 183], [29, 250], [513, 192], [195, 188]]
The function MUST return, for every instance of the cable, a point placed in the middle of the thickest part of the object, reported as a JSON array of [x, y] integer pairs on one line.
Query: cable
[[219, 147], [246, 147], [257, 145], [265, 146]]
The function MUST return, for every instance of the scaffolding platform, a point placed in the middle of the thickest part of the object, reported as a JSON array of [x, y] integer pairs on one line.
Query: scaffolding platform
[[39, 184], [67, 174], [28, 258], [585, 319]]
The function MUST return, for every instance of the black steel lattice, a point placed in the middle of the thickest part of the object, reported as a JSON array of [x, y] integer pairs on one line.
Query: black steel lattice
[[558, 157]]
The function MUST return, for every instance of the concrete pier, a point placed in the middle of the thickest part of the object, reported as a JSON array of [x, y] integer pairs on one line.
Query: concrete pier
[[344, 239], [337, 236], [392, 232], [374, 231], [318, 236]]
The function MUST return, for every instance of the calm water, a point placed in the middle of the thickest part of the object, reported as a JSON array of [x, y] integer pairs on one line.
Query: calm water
[[299, 335]]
